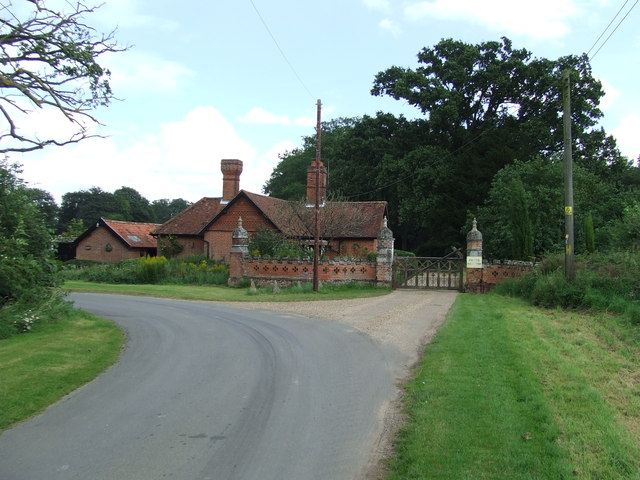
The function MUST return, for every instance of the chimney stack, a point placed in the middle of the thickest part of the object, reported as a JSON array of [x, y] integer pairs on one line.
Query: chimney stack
[[311, 183], [231, 170]]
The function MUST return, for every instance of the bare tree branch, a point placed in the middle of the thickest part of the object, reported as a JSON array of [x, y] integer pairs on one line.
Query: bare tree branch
[[50, 60]]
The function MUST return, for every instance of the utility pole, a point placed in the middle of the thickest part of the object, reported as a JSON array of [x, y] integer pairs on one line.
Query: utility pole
[[316, 222], [569, 265]]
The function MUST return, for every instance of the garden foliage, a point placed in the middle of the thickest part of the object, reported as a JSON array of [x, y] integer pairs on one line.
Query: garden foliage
[[195, 270], [27, 269], [608, 282]]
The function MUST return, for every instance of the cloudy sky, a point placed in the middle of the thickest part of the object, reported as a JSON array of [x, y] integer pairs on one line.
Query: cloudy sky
[[206, 80]]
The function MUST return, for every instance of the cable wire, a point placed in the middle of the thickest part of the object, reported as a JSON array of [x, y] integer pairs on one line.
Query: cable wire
[[605, 30], [614, 30], [280, 49]]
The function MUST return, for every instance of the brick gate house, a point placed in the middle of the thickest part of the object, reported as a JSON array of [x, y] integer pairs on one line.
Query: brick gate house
[[350, 229], [114, 240]]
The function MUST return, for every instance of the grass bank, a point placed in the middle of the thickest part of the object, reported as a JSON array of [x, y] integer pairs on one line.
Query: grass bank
[[226, 294], [40, 367], [507, 390]]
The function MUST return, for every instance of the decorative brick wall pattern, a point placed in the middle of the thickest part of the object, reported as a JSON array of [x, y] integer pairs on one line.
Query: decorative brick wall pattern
[[301, 270], [287, 271], [482, 280]]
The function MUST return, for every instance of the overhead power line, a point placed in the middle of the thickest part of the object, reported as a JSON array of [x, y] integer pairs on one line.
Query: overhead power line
[[280, 49], [613, 31]]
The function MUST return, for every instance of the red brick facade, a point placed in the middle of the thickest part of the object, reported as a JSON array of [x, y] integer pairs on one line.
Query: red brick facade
[[288, 271], [206, 226], [112, 241]]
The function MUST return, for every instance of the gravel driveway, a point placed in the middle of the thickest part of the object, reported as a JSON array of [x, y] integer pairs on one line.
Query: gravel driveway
[[402, 322]]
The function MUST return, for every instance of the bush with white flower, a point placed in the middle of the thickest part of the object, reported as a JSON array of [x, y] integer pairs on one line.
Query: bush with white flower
[[26, 322]]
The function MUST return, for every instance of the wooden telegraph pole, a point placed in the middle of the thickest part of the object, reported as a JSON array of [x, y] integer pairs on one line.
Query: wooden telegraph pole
[[316, 222], [569, 265]]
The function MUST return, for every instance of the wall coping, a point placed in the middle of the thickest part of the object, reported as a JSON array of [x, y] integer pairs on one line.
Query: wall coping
[[334, 261]]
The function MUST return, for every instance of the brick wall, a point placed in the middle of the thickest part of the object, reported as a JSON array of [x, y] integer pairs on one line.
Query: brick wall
[[102, 246], [190, 246], [482, 280], [287, 271], [483, 275]]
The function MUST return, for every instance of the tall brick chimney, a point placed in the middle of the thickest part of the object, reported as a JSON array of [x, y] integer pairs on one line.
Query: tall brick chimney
[[311, 183], [231, 170]]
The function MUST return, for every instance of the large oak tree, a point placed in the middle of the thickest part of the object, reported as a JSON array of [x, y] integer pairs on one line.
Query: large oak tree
[[482, 108]]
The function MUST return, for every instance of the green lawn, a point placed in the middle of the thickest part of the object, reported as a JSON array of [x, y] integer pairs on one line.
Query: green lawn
[[508, 391], [40, 367], [226, 294]]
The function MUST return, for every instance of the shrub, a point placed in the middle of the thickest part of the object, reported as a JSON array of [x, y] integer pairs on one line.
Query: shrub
[[274, 244], [151, 270], [25, 316], [604, 282], [194, 270]]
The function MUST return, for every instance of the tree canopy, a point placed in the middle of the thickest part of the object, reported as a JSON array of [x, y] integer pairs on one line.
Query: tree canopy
[[125, 203], [484, 107], [49, 60]]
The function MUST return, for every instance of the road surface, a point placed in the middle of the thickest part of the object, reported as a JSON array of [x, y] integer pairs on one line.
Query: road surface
[[210, 391]]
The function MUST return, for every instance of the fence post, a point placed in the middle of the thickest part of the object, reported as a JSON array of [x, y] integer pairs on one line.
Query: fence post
[[384, 259], [239, 248], [474, 281]]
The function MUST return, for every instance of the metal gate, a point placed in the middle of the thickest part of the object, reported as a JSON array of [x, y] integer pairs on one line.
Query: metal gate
[[429, 272]]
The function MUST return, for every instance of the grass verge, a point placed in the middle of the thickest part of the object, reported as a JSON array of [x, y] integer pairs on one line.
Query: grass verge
[[226, 294], [40, 367], [507, 390]]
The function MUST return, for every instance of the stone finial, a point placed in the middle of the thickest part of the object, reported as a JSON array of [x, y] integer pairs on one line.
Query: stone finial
[[239, 238], [239, 231], [474, 234], [385, 232]]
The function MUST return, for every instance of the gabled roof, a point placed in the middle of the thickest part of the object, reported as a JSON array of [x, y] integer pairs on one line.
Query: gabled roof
[[342, 219], [132, 234], [192, 220]]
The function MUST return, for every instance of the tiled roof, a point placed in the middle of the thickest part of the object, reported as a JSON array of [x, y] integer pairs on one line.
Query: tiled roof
[[192, 220], [340, 219], [133, 234]]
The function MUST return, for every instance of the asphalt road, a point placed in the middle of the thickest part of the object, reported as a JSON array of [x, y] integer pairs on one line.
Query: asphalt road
[[205, 391]]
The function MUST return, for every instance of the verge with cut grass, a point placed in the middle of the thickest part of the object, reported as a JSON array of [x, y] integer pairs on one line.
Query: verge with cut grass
[[226, 294], [40, 367], [507, 390]]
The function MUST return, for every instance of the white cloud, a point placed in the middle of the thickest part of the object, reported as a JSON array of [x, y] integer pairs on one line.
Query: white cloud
[[382, 5], [264, 165], [306, 121], [260, 115], [47, 123], [542, 19], [611, 94], [146, 72], [127, 14], [181, 160], [390, 26], [626, 133]]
